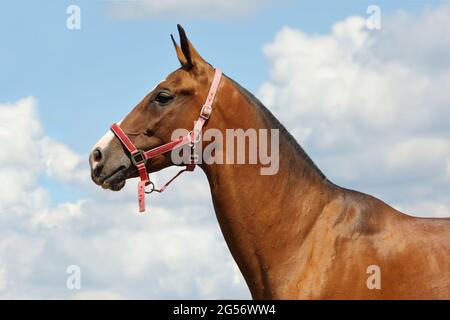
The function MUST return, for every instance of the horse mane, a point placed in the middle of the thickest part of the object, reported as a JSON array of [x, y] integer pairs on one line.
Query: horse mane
[[275, 123]]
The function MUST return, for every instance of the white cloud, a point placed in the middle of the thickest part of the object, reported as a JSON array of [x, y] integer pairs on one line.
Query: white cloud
[[428, 208], [62, 163], [18, 131], [2, 278], [371, 106], [165, 253], [203, 9], [59, 216]]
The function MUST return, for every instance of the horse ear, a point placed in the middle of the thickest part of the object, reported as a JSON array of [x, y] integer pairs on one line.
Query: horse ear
[[180, 54], [188, 56]]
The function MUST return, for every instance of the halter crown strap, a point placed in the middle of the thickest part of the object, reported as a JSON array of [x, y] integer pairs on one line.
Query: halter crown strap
[[139, 158], [207, 107]]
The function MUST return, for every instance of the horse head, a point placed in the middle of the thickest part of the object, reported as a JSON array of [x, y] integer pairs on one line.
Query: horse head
[[174, 103]]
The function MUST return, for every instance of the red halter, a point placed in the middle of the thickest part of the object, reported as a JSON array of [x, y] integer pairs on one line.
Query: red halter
[[139, 158]]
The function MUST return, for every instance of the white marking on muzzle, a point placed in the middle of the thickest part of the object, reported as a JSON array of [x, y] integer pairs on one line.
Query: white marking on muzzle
[[104, 143]]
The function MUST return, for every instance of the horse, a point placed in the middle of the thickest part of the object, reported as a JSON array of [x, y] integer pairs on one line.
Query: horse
[[293, 234]]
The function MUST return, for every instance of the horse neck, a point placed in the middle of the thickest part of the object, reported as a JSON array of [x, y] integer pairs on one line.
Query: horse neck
[[260, 215]]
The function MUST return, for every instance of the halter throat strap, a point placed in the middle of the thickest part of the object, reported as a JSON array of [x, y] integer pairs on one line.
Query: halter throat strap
[[140, 158]]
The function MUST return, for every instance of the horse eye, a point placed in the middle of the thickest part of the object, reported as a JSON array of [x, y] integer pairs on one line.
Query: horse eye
[[163, 97]]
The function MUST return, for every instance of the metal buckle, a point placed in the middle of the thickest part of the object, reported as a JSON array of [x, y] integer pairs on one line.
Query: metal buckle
[[138, 158], [205, 113]]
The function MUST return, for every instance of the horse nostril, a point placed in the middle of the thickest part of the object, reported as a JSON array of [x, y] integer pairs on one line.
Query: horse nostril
[[97, 155], [97, 160]]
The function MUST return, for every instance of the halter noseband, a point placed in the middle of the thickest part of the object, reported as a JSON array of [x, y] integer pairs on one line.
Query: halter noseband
[[139, 158]]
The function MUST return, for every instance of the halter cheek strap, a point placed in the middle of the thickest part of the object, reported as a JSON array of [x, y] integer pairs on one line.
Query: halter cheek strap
[[139, 158]]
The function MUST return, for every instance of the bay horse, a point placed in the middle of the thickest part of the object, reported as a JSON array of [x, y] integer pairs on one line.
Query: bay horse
[[294, 234]]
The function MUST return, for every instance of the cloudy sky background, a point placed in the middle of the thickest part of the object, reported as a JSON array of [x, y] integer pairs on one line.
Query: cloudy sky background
[[371, 107]]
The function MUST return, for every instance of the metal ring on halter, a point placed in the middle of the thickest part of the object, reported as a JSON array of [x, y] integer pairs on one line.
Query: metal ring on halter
[[150, 183]]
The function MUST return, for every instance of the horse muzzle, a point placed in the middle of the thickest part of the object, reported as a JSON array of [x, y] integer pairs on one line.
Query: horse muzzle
[[108, 173]]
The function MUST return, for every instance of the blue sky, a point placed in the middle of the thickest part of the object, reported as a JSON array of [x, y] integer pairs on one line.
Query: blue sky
[[379, 125]]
